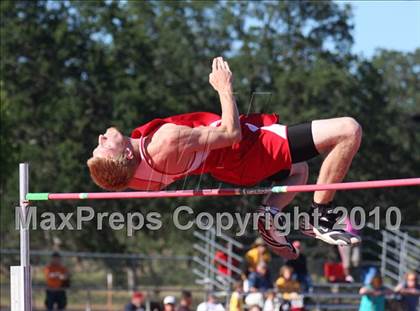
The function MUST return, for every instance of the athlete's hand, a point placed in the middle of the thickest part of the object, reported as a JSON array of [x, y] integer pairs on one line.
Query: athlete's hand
[[221, 77]]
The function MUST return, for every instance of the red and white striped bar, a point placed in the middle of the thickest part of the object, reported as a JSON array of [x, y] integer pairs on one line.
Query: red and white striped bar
[[223, 191]]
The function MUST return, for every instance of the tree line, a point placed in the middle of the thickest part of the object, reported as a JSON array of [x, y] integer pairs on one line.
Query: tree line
[[69, 69]]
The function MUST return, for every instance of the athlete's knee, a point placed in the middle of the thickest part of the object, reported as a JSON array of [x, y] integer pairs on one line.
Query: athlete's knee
[[351, 129]]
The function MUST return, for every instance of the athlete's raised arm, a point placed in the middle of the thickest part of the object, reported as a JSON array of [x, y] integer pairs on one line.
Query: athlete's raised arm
[[205, 138], [221, 79]]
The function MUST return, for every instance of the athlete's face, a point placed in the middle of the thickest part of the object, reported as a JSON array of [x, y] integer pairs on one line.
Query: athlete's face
[[110, 144]]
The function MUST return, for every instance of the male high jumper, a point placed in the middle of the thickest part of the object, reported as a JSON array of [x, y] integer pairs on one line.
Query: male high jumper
[[237, 149]]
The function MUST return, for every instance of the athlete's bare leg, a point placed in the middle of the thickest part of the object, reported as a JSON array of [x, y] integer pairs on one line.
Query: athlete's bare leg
[[274, 203], [339, 139], [298, 176]]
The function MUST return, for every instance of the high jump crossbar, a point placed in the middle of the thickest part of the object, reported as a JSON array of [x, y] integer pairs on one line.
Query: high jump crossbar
[[223, 191]]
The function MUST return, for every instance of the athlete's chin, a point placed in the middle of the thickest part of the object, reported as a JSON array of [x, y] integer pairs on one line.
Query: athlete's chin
[[113, 131], [115, 137]]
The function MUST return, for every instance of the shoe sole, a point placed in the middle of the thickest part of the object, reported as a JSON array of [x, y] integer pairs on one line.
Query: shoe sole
[[315, 233], [286, 251]]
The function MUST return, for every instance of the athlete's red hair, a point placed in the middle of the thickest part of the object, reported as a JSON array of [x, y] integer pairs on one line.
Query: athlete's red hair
[[112, 174]]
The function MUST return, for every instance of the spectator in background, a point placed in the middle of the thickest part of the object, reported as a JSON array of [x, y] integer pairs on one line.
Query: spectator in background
[[289, 290], [211, 304], [169, 303], [236, 301], [260, 280], [136, 303], [185, 302], [285, 284], [300, 268], [57, 279], [258, 253], [221, 259], [255, 299], [350, 255], [410, 292], [245, 281], [244, 267], [373, 295], [270, 301]]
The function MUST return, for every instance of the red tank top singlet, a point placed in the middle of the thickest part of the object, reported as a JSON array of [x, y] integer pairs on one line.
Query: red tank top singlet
[[262, 151]]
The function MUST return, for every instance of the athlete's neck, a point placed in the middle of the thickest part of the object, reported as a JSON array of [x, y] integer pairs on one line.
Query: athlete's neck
[[135, 145]]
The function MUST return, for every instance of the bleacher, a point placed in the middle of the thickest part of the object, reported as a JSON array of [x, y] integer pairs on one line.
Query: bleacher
[[381, 250]]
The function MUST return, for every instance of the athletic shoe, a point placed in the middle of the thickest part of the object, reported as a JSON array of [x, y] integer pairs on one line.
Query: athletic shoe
[[274, 239], [327, 229]]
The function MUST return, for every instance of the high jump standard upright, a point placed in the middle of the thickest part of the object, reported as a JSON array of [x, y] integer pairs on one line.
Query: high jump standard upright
[[20, 276]]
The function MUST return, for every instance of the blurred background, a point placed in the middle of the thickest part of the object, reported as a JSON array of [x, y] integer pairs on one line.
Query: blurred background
[[69, 69]]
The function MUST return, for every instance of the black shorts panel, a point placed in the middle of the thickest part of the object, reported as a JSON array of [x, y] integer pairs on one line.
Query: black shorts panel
[[301, 142], [302, 148]]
